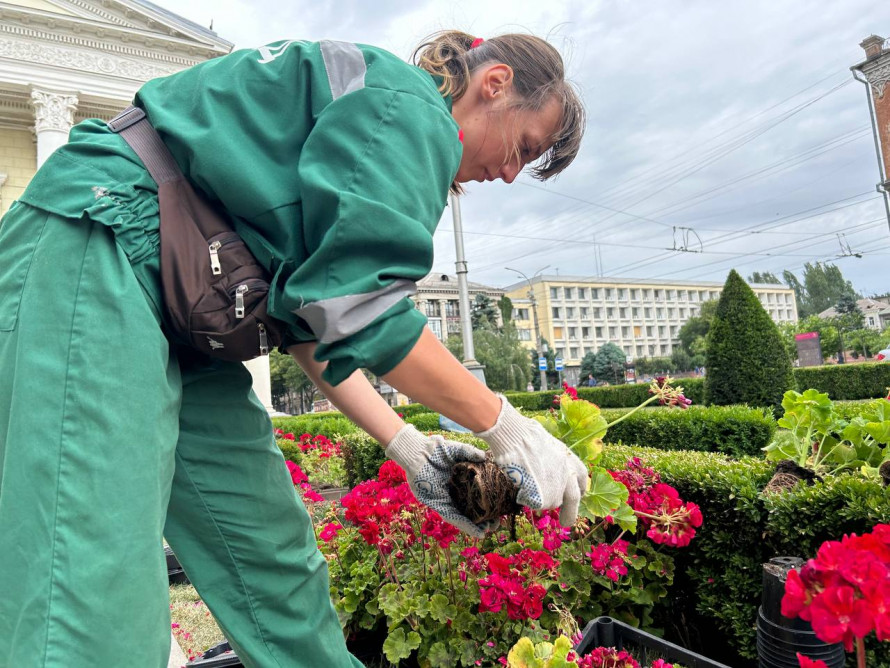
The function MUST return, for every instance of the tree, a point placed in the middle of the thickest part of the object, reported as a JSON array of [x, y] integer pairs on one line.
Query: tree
[[681, 360], [746, 358], [505, 306], [484, 313], [697, 326], [609, 363], [588, 364], [292, 390], [864, 341], [502, 354], [763, 277], [822, 287], [849, 317]]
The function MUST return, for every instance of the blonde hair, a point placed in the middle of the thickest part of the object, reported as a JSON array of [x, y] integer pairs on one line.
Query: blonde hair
[[538, 78]]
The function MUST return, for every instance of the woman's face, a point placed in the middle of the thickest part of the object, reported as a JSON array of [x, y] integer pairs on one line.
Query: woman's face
[[500, 140]]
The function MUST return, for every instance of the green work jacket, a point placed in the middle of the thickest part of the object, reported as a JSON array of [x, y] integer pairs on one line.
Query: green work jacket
[[333, 161]]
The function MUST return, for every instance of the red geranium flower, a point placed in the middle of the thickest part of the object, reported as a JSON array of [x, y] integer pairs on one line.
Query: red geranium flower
[[837, 615]]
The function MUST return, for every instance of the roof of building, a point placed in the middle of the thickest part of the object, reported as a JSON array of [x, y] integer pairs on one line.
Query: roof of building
[[656, 282], [868, 306], [446, 282]]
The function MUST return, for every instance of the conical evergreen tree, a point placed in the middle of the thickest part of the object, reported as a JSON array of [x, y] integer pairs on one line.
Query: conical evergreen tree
[[746, 360]]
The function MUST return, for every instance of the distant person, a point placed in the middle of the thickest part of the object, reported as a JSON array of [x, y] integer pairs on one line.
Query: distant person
[[591, 381], [529, 387]]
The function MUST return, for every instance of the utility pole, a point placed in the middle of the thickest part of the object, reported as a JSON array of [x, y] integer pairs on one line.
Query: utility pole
[[463, 289], [542, 347]]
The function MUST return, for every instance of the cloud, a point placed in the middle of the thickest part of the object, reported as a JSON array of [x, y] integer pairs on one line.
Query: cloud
[[712, 116]]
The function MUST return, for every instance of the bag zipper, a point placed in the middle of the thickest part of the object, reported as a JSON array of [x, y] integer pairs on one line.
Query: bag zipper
[[214, 247], [241, 290], [264, 342]]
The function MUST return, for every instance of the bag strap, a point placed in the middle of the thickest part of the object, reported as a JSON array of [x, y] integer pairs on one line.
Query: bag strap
[[134, 127]]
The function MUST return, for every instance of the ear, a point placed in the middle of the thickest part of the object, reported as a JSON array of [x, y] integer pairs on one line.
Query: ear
[[496, 80]]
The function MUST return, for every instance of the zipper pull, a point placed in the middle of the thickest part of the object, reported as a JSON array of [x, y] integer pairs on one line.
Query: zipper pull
[[240, 291], [264, 342], [214, 258]]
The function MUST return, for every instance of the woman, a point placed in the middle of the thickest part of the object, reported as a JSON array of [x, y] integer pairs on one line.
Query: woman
[[333, 162]]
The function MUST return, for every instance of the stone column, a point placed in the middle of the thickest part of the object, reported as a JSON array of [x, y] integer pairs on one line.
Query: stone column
[[262, 380], [54, 116]]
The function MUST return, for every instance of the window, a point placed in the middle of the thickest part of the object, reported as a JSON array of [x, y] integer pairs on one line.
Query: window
[[568, 293], [613, 332], [638, 331], [557, 332], [682, 314], [585, 312], [555, 311], [452, 310], [639, 351], [570, 311], [647, 313], [554, 293], [651, 349], [661, 330], [559, 352], [436, 326], [672, 294], [647, 293], [650, 330], [524, 334], [622, 293], [594, 293], [599, 332], [610, 312], [573, 353], [634, 294], [520, 314], [582, 293], [622, 312], [585, 332], [433, 310], [665, 349], [573, 333], [672, 312], [658, 295], [674, 330], [659, 314], [597, 313], [625, 332], [681, 295], [635, 312]]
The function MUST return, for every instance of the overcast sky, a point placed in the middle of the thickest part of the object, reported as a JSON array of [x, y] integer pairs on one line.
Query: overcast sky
[[734, 129]]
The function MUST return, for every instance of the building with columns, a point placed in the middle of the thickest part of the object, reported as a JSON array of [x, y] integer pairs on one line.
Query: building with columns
[[874, 72], [62, 61], [439, 300]]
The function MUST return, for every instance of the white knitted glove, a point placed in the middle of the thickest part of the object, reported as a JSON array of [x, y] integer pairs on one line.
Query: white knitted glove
[[547, 473], [427, 461]]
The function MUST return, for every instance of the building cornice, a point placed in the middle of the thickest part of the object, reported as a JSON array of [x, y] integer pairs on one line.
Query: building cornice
[[877, 73], [126, 40]]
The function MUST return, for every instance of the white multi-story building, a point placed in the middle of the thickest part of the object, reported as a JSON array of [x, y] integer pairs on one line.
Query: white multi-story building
[[643, 317], [439, 300]]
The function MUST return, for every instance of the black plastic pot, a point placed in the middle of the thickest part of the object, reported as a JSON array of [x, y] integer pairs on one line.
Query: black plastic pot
[[175, 573], [645, 647], [779, 638], [218, 656]]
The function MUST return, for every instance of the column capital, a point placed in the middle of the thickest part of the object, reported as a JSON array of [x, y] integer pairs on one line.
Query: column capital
[[53, 110]]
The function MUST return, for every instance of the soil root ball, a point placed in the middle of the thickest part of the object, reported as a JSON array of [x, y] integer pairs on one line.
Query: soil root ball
[[481, 492]]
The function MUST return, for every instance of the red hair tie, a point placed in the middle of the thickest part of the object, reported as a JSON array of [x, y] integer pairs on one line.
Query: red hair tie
[[476, 42]]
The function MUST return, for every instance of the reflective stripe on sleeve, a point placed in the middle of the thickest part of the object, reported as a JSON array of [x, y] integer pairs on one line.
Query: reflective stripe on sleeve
[[345, 66], [337, 318]]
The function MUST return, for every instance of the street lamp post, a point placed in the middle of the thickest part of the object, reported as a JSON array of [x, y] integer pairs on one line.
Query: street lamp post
[[464, 293], [542, 347]]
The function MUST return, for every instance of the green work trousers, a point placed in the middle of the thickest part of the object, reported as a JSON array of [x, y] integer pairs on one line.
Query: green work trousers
[[109, 442]]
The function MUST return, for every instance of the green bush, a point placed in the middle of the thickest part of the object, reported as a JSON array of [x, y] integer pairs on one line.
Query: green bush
[[424, 421], [731, 430], [746, 358], [330, 424], [362, 456], [290, 449], [719, 577], [412, 409], [869, 380]]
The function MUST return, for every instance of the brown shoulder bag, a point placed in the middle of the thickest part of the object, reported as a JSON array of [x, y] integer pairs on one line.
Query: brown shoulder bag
[[215, 293]]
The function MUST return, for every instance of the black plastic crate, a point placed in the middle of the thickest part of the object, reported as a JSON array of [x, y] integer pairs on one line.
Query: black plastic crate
[[218, 656], [175, 573], [645, 647]]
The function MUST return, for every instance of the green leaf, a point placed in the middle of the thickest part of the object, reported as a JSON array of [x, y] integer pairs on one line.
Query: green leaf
[[880, 431], [581, 426], [604, 496], [440, 609], [522, 655], [398, 646], [785, 445], [440, 656]]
